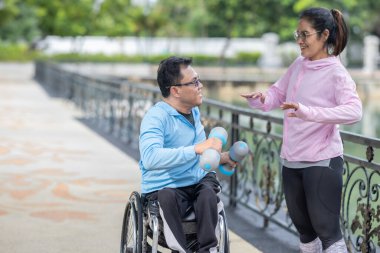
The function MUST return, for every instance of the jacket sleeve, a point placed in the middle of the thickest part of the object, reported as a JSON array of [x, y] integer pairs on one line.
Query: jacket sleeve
[[151, 144], [347, 111], [276, 94]]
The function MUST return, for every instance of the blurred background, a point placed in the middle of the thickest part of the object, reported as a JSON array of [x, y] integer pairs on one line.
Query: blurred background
[[236, 45]]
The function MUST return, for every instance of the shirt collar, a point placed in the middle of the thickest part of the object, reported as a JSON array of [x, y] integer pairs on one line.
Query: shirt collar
[[168, 108], [322, 63]]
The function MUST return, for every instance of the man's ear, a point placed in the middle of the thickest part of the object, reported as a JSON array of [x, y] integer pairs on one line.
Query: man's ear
[[175, 91]]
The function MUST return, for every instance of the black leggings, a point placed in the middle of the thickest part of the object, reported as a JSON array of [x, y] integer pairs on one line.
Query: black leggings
[[313, 197]]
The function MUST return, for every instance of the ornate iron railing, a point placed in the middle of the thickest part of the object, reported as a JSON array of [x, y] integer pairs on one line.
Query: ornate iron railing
[[118, 106]]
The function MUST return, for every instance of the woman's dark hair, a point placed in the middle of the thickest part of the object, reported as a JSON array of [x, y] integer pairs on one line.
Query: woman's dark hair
[[332, 20], [169, 73]]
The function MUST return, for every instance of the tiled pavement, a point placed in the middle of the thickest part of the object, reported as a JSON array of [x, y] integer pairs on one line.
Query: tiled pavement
[[62, 186]]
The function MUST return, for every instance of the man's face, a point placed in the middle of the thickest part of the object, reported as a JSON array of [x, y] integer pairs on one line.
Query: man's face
[[191, 92]]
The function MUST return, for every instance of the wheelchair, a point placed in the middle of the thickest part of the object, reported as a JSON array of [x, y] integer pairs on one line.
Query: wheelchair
[[142, 229]]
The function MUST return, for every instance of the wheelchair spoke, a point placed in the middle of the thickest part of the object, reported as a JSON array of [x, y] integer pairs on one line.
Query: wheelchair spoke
[[130, 236], [131, 240]]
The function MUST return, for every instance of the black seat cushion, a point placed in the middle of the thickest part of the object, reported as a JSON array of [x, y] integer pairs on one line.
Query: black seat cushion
[[189, 215]]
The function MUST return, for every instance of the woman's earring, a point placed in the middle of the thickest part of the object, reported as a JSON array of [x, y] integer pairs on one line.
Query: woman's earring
[[330, 49]]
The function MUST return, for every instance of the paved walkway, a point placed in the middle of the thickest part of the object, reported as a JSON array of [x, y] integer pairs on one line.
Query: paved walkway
[[63, 188]]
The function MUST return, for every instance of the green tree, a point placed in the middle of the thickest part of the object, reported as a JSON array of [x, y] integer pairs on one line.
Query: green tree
[[244, 18], [27, 19], [21, 24], [116, 18], [64, 18], [174, 18], [151, 21]]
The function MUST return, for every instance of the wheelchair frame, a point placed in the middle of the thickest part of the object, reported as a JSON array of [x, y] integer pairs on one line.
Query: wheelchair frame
[[139, 224]]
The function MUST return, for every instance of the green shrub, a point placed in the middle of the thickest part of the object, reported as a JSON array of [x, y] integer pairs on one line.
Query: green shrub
[[247, 58], [16, 52], [20, 52], [203, 60], [75, 57], [153, 59]]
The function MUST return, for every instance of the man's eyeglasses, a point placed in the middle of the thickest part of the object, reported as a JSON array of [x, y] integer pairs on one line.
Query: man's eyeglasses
[[302, 35], [195, 82]]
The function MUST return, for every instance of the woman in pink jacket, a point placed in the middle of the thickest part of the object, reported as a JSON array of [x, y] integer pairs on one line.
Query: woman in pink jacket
[[316, 93]]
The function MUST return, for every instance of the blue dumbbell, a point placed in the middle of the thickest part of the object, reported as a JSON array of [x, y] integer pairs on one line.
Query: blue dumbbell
[[210, 158], [237, 153], [220, 133]]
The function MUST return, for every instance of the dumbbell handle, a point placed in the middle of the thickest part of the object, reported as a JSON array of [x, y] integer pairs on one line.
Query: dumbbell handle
[[237, 153]]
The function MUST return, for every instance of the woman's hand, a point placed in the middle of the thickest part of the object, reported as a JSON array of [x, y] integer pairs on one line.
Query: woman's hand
[[290, 105], [255, 95]]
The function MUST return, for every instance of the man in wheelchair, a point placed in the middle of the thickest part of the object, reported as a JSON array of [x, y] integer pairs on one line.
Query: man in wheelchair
[[172, 138]]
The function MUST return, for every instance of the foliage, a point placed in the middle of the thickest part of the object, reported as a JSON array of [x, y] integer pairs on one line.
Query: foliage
[[27, 20], [247, 57], [244, 58], [64, 18], [117, 18], [16, 52], [23, 27], [245, 18]]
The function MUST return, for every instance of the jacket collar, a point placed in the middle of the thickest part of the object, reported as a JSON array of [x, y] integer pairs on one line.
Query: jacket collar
[[168, 108], [320, 64]]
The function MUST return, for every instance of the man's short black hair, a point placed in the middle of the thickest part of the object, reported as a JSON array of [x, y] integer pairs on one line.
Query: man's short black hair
[[169, 72]]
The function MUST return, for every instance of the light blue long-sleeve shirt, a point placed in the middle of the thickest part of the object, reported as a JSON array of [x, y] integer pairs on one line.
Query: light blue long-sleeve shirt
[[167, 141]]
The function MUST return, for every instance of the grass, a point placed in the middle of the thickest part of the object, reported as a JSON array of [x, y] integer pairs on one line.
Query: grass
[[17, 52]]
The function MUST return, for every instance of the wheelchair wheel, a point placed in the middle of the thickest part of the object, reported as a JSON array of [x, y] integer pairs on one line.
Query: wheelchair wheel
[[132, 230], [226, 239]]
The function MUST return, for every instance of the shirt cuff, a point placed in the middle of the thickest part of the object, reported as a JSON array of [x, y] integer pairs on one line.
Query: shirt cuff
[[189, 153], [255, 102], [302, 111]]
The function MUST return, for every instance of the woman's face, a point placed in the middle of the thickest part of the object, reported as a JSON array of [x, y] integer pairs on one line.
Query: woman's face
[[311, 42]]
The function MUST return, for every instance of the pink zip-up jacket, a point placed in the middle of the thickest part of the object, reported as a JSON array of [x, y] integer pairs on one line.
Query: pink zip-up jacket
[[326, 95]]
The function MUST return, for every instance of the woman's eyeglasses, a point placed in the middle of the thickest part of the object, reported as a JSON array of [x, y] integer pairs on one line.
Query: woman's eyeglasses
[[302, 35]]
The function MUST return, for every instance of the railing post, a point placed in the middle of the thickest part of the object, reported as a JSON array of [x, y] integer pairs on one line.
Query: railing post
[[234, 178], [130, 132], [111, 113]]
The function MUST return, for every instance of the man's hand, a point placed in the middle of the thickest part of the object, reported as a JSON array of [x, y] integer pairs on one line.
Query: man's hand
[[290, 105], [255, 95], [213, 143], [225, 159]]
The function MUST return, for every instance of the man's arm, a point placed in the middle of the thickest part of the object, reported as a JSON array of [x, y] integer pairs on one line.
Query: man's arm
[[226, 159], [153, 153]]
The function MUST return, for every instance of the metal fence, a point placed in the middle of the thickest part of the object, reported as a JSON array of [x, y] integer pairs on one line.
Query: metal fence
[[118, 106]]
